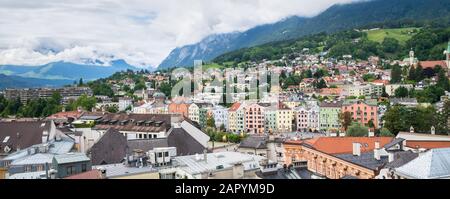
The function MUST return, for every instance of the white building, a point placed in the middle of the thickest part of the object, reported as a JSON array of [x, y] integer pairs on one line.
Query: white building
[[124, 103], [391, 88], [220, 114]]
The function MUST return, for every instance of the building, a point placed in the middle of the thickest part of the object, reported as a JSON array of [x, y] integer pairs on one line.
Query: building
[[433, 164], [254, 119], [329, 115], [179, 108], [255, 145], [220, 115], [137, 126], [67, 93], [17, 135], [37, 158], [284, 117], [111, 148], [270, 115], [221, 165], [363, 112], [339, 157], [236, 118], [125, 103], [198, 112], [70, 164], [367, 90], [307, 118], [408, 102], [391, 88]]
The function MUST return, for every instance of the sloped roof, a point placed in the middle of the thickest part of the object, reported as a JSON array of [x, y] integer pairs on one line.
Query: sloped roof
[[92, 174], [70, 158], [29, 132], [254, 142], [401, 158], [428, 144], [434, 164], [343, 145], [110, 149]]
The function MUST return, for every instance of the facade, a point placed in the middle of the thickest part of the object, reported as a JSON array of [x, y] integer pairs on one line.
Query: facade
[[362, 112], [391, 88], [365, 90], [30, 94], [307, 117], [124, 103], [329, 115], [254, 119], [284, 117], [220, 114], [270, 115], [236, 119], [179, 108], [71, 164], [337, 158]]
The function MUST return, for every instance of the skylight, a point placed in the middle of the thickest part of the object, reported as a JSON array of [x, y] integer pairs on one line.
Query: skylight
[[6, 139]]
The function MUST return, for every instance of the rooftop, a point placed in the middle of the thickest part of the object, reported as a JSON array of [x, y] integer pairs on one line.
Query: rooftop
[[434, 164], [121, 170], [344, 145], [195, 164]]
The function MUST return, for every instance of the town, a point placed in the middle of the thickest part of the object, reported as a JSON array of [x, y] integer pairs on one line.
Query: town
[[304, 116]]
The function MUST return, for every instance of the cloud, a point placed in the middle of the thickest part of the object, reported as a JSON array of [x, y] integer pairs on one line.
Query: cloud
[[139, 31]]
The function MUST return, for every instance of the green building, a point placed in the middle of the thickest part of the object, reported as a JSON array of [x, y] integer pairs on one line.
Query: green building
[[329, 115]]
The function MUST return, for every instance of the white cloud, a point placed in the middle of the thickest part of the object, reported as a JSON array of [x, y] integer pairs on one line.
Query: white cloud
[[138, 31]]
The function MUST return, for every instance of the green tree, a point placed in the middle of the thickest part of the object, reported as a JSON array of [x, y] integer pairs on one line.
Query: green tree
[[443, 81], [112, 109], [384, 132], [357, 130], [401, 92], [210, 122], [80, 82], [396, 74], [346, 119], [321, 84]]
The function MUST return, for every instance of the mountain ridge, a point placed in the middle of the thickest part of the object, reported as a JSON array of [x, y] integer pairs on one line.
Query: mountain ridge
[[335, 18]]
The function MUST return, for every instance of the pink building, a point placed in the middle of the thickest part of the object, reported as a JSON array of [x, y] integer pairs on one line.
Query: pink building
[[362, 111], [254, 119]]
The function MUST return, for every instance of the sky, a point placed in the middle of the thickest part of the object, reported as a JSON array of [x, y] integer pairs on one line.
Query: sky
[[141, 32]]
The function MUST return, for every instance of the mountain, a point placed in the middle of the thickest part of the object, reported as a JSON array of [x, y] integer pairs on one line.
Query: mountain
[[22, 82], [336, 18], [66, 70]]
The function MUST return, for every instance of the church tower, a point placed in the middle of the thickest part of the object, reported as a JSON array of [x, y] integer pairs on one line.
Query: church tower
[[411, 57]]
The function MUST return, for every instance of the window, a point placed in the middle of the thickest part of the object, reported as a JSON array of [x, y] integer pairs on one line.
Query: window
[[166, 154], [6, 139], [159, 155], [70, 170], [83, 168]]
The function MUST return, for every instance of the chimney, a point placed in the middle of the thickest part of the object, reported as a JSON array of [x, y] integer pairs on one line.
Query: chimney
[[356, 149], [102, 172], [371, 133], [391, 157], [376, 151], [411, 130], [433, 130]]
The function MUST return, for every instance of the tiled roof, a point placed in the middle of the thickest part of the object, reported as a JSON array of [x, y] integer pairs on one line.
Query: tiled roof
[[334, 104], [110, 149], [254, 142], [235, 106], [432, 64], [401, 158], [343, 145], [428, 144], [92, 174]]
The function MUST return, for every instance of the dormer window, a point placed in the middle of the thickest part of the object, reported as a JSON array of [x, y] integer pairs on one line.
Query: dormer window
[[5, 140]]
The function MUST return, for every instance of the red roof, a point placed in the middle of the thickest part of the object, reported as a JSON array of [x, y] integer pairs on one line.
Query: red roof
[[432, 64], [385, 82], [92, 174], [344, 145], [428, 144], [235, 106]]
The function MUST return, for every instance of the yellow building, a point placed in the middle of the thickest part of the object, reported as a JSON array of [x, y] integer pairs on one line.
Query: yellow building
[[284, 118]]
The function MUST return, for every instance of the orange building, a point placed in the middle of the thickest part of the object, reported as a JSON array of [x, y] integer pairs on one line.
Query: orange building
[[338, 157], [362, 111], [180, 108]]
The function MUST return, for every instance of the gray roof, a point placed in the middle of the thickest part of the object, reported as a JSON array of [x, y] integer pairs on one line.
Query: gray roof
[[394, 142], [365, 160], [110, 149], [120, 170], [146, 145], [22, 134], [349, 177], [71, 157], [299, 173], [401, 158], [224, 160], [254, 142], [433, 164]]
